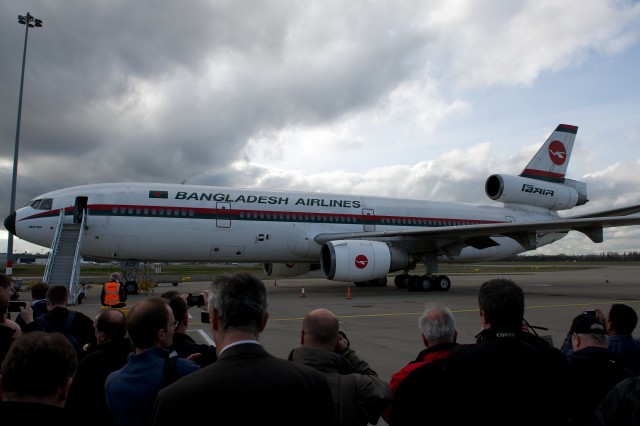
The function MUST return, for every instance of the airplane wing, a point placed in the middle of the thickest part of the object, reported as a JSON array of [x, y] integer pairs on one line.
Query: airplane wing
[[479, 236], [622, 211]]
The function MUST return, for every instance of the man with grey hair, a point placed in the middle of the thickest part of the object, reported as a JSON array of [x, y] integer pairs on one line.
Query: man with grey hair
[[246, 385], [438, 333]]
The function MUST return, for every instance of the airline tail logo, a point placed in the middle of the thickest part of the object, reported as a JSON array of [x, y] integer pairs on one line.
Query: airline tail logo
[[557, 153], [158, 194], [361, 261]]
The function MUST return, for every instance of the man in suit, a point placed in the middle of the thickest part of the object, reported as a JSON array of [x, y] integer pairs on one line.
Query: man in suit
[[246, 385]]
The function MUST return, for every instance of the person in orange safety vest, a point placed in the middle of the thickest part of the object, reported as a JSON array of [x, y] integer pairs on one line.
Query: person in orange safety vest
[[113, 293]]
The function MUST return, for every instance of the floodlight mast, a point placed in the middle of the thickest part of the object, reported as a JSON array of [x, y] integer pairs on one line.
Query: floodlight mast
[[28, 21]]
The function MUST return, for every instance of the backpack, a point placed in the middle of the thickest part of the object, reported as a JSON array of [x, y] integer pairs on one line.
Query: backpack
[[66, 329]]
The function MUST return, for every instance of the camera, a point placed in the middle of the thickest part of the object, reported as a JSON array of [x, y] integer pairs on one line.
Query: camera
[[15, 305], [591, 312], [195, 300]]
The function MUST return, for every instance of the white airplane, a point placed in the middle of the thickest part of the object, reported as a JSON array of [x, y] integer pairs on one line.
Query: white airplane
[[351, 238]]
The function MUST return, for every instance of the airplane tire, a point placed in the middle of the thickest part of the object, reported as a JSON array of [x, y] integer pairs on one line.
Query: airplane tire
[[381, 282], [400, 281], [443, 283], [413, 283], [131, 287], [424, 283]]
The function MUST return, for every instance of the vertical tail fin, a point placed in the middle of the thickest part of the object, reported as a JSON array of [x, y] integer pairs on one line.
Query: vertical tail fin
[[551, 161]]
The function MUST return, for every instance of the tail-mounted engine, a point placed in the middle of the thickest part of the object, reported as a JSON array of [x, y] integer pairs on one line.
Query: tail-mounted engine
[[534, 192], [359, 260]]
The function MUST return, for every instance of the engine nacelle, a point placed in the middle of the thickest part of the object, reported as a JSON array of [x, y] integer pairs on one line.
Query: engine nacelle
[[282, 270], [360, 260], [534, 192]]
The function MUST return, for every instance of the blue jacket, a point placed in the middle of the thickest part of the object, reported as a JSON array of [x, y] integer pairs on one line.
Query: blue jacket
[[629, 349], [131, 391]]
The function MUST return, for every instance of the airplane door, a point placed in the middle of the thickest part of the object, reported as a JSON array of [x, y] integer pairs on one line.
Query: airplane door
[[223, 217], [79, 208], [368, 226]]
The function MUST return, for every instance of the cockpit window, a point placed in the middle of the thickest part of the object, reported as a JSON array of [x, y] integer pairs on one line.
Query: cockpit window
[[42, 204], [46, 204]]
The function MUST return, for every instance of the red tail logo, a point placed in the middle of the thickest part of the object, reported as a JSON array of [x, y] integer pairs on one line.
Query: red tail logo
[[557, 153]]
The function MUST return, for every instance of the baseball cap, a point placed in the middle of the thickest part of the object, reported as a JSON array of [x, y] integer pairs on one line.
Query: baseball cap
[[587, 324]]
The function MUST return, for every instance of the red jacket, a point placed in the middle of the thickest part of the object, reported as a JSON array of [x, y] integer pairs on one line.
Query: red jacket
[[439, 351]]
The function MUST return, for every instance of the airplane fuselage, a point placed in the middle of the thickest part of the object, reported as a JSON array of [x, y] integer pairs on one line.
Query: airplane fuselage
[[168, 222]]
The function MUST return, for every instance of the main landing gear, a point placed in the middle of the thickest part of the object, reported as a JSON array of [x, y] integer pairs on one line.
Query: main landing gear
[[426, 282]]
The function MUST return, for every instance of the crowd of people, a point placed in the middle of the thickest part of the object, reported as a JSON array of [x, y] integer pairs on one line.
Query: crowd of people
[[138, 366]]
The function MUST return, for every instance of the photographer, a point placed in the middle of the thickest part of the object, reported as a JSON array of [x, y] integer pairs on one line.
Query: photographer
[[9, 330], [359, 395], [183, 344]]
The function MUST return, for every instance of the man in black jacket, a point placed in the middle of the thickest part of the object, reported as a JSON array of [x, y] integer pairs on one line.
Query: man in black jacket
[[81, 327], [183, 344], [508, 377], [86, 402], [35, 379], [594, 369]]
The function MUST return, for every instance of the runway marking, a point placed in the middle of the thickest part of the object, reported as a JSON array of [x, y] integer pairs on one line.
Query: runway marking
[[206, 337], [399, 314]]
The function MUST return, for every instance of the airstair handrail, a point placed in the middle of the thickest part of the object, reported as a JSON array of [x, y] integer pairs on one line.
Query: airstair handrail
[[54, 247], [74, 287]]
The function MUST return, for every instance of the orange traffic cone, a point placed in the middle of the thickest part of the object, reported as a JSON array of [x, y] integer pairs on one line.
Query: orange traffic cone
[[348, 293], [302, 293]]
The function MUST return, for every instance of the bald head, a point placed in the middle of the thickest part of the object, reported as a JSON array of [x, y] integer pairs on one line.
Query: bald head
[[320, 329]]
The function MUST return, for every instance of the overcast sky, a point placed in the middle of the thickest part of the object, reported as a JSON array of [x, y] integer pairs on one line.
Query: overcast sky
[[416, 99]]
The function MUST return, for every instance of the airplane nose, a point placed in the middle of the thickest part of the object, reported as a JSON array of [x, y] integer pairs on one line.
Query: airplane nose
[[10, 223]]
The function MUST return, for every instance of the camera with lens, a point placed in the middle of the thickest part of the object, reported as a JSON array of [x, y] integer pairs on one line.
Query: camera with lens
[[15, 305], [195, 300]]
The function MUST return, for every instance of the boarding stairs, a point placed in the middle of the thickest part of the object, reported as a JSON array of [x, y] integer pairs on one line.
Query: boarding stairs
[[63, 264]]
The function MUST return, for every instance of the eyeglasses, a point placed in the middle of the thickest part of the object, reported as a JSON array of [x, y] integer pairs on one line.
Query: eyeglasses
[[176, 323]]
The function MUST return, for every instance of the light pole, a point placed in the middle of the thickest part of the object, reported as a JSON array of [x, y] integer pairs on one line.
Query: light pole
[[29, 22]]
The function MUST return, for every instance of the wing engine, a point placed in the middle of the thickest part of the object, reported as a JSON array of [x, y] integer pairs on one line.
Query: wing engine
[[360, 260]]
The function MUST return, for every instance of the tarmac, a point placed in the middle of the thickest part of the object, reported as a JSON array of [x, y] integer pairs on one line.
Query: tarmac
[[381, 322]]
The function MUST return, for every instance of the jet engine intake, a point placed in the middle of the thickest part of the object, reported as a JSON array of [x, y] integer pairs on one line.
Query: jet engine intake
[[360, 260]]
